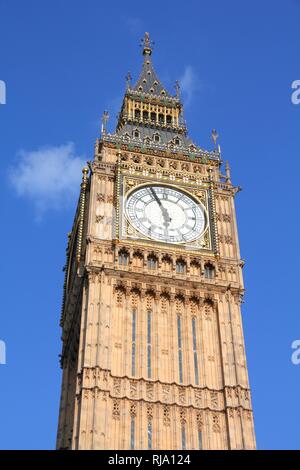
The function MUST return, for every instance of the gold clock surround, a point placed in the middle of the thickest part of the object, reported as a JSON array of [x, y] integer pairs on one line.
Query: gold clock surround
[[128, 184]]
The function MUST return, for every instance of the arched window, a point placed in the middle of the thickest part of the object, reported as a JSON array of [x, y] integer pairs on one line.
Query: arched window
[[169, 119], [137, 114], [180, 266], [183, 436], [136, 134], [152, 262], [138, 259], [132, 431], [153, 117], [209, 271], [161, 118], [195, 268], [177, 141], [156, 137], [166, 263], [123, 258], [145, 115], [149, 432]]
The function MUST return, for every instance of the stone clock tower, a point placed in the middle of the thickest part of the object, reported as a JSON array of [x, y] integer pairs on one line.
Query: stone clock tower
[[153, 352]]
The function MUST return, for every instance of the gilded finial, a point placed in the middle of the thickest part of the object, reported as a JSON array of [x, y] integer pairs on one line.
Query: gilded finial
[[177, 88], [85, 172], [147, 44], [214, 136], [105, 118], [128, 80], [228, 176]]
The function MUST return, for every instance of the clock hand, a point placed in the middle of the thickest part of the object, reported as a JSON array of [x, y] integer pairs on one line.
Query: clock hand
[[156, 197], [165, 213]]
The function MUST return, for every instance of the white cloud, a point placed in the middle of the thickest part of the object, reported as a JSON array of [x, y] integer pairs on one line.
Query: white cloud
[[134, 25], [189, 84], [49, 176]]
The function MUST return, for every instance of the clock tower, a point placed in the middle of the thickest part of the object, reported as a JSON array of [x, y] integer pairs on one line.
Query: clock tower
[[153, 351]]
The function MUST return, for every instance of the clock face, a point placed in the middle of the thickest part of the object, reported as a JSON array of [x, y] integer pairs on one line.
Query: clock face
[[165, 214]]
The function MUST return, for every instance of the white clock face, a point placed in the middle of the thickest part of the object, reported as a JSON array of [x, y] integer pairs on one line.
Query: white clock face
[[165, 214]]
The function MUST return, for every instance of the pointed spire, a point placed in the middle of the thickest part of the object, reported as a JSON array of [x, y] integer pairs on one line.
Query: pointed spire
[[148, 81], [228, 176]]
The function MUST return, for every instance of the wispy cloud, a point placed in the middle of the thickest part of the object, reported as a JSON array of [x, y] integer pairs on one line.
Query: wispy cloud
[[49, 177], [134, 25], [189, 84]]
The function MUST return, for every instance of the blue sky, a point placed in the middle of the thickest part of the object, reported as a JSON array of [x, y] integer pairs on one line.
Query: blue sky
[[63, 63]]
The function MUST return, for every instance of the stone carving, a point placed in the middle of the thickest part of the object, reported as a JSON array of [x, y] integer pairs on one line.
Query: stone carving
[[133, 388], [149, 412], [164, 299], [100, 197], [214, 399], [165, 392], [207, 311], [132, 409], [179, 304], [198, 398], [119, 296], [134, 298], [166, 415], [216, 423], [149, 391], [181, 393], [199, 419], [182, 415], [149, 301], [117, 386], [110, 199], [116, 409]]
